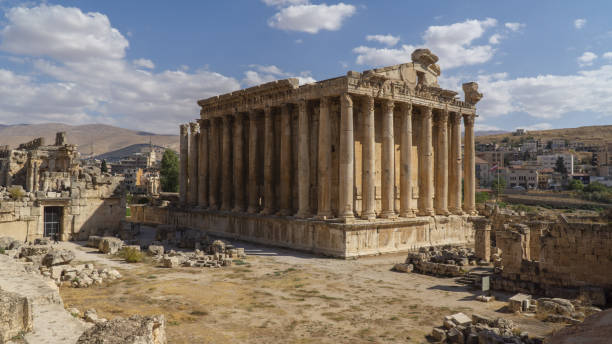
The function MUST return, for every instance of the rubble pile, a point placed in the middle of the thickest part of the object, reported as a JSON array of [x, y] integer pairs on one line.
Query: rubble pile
[[440, 261], [459, 328], [133, 330], [55, 264], [215, 255]]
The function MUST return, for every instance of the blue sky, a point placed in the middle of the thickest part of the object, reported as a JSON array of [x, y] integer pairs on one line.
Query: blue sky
[[143, 64]]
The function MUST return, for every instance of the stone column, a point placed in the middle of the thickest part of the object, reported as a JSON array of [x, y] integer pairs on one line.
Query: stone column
[[369, 161], [183, 166], [192, 163], [239, 192], [285, 163], [482, 239], [442, 163], [426, 165], [406, 162], [388, 161], [469, 169], [203, 165], [347, 158], [268, 162], [213, 165], [253, 164], [324, 165], [36, 185], [454, 183], [303, 162], [226, 155]]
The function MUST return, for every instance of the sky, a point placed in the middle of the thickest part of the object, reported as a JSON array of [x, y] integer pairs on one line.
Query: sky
[[143, 64]]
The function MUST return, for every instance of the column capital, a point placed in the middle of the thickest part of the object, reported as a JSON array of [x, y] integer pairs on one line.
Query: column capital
[[441, 117], [184, 129], [267, 109], [346, 100], [194, 128], [455, 117], [427, 112], [227, 119], [388, 105], [405, 106], [325, 101], [468, 119], [369, 103]]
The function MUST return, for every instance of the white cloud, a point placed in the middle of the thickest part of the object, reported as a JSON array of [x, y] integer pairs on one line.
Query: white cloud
[[388, 40], [282, 3], [63, 33], [514, 26], [579, 23], [607, 55], [587, 59], [452, 43], [484, 127], [495, 38], [80, 75], [537, 126], [547, 96], [311, 18], [262, 74], [144, 63]]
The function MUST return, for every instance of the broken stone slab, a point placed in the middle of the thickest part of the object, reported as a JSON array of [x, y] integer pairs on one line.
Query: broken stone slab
[[460, 319], [519, 302], [34, 250], [171, 262], [110, 245], [94, 241], [402, 267], [438, 335], [42, 241], [134, 330], [556, 306], [58, 257], [155, 250], [16, 315]]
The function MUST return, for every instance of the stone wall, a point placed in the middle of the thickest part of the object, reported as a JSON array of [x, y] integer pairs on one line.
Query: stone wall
[[334, 239], [568, 259]]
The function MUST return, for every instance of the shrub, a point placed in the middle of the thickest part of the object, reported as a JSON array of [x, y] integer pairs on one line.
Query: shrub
[[482, 197], [1, 250], [131, 255], [16, 192]]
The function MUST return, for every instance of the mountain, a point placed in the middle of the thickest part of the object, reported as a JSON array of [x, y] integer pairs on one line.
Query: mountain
[[596, 135], [489, 132], [103, 138], [130, 150]]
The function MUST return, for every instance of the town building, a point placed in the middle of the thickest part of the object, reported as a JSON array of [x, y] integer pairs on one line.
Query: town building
[[550, 161]]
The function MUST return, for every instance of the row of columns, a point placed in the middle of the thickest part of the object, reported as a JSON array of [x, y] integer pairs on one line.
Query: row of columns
[[203, 143]]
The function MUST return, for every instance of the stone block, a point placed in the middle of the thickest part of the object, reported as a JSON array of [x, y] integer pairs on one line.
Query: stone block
[[16, 315], [438, 335], [94, 241], [110, 245], [519, 302], [403, 267], [58, 257], [155, 250], [134, 330], [460, 319]]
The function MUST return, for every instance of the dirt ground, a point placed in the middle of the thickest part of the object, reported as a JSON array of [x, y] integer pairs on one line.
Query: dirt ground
[[281, 296]]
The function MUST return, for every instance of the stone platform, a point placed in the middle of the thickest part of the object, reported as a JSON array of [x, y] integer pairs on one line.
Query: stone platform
[[336, 239]]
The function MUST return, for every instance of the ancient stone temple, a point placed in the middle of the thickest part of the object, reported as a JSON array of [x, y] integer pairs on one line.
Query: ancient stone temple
[[360, 164]]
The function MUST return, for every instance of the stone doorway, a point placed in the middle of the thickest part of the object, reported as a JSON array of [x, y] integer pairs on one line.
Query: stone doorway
[[53, 222]]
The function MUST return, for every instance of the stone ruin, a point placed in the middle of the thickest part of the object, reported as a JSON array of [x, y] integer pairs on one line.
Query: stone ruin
[[446, 261], [45, 191], [568, 257]]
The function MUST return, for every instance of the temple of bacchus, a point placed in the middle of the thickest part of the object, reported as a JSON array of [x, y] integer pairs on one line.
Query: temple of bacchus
[[360, 164]]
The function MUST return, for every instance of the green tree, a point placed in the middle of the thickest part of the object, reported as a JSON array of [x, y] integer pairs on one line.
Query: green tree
[[169, 171], [498, 185], [560, 166], [576, 185], [104, 168]]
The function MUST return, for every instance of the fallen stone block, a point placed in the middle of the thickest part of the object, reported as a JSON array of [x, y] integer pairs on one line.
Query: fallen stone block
[[460, 319], [58, 257], [134, 330], [16, 315], [171, 262], [402, 267], [94, 241], [519, 302], [155, 250], [438, 335], [34, 250], [110, 245]]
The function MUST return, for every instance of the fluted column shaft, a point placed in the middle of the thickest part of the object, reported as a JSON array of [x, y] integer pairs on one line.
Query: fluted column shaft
[[213, 165], [268, 162], [388, 161], [368, 184], [454, 195], [203, 165], [239, 192], [441, 156], [226, 155], [324, 164], [347, 158], [426, 164], [183, 165], [285, 163], [192, 163], [406, 209], [469, 184], [303, 162], [253, 164]]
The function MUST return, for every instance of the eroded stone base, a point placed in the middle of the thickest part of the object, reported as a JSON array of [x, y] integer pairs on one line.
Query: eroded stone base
[[360, 238]]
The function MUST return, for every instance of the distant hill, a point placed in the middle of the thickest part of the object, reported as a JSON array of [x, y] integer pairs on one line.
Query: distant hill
[[102, 138], [129, 150], [489, 132], [597, 134]]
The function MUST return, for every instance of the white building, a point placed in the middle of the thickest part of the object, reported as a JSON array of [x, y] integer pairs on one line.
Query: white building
[[550, 161]]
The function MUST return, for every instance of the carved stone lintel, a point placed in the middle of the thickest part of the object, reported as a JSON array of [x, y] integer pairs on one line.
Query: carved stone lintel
[[472, 96]]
